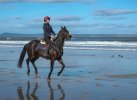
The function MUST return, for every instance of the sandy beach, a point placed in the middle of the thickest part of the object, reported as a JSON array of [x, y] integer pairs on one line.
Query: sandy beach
[[99, 39], [89, 75]]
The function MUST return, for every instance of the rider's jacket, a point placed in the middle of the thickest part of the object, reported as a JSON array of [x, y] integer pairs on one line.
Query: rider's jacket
[[47, 30]]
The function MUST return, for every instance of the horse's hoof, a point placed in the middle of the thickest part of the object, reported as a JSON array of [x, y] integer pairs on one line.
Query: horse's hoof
[[36, 72], [48, 79], [36, 76], [58, 73], [28, 74]]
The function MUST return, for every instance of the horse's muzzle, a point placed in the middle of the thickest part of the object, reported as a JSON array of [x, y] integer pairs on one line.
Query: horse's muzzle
[[70, 36]]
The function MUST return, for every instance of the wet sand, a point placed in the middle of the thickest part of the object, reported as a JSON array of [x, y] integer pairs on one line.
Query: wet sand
[[89, 75]]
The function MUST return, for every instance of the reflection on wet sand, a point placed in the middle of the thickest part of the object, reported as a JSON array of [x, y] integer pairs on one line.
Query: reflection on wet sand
[[62, 97], [62, 92], [28, 94], [31, 95], [20, 94]]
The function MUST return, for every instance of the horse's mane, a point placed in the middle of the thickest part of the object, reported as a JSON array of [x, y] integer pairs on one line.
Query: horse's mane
[[57, 36]]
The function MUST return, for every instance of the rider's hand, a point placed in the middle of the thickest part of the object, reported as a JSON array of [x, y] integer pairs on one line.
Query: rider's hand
[[55, 35]]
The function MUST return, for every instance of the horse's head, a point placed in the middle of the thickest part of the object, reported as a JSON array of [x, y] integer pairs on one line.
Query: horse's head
[[65, 33]]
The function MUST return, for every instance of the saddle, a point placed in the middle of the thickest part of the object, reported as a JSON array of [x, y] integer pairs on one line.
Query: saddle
[[44, 47]]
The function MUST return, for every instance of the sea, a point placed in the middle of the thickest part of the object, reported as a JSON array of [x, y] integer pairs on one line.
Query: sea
[[82, 41]]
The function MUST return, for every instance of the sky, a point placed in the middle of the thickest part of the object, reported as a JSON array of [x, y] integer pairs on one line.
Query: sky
[[79, 16]]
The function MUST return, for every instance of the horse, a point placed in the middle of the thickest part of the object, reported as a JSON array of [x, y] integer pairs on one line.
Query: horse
[[53, 51]]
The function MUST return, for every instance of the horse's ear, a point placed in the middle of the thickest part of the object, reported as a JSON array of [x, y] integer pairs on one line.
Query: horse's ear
[[64, 27], [61, 27]]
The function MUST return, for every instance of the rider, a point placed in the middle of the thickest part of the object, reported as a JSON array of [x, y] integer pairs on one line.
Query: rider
[[47, 28]]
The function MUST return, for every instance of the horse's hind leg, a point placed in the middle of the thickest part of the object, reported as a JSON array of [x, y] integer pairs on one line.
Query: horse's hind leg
[[63, 66], [27, 61], [33, 63]]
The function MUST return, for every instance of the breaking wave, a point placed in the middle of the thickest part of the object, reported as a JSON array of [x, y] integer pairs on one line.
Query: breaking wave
[[86, 45]]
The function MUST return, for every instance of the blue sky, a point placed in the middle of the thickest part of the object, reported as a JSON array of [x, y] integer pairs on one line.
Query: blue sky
[[79, 16]]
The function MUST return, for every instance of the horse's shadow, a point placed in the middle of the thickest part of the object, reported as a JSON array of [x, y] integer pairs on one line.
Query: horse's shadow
[[31, 95]]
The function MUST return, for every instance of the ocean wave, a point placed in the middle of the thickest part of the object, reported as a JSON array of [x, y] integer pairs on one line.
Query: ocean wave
[[112, 49], [101, 43], [12, 46], [89, 45], [13, 42], [105, 43]]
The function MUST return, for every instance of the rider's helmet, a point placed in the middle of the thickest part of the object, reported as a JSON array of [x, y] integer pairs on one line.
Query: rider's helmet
[[46, 18]]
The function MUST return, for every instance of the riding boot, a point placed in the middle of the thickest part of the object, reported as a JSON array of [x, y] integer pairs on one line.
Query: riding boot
[[47, 43]]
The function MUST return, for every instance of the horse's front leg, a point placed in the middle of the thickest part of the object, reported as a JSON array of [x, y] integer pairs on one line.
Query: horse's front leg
[[51, 68], [63, 66]]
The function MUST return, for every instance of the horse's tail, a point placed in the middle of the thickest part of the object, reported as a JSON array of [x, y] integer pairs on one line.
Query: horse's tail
[[22, 55]]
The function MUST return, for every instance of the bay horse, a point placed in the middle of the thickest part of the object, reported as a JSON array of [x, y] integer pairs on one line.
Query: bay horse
[[52, 52]]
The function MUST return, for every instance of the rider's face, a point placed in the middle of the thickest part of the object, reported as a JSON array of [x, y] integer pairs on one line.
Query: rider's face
[[48, 21]]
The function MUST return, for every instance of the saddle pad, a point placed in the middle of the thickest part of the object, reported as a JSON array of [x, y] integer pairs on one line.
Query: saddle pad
[[42, 46]]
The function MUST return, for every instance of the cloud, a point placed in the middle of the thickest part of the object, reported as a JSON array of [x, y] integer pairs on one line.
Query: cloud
[[18, 17], [101, 26], [9, 0], [68, 18], [36, 20], [115, 18], [73, 23], [34, 26], [113, 12], [46, 1], [87, 25], [132, 26]]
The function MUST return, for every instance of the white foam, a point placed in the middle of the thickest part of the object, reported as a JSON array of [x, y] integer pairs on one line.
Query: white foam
[[112, 49], [13, 42], [89, 45], [82, 43], [12, 46], [101, 43]]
